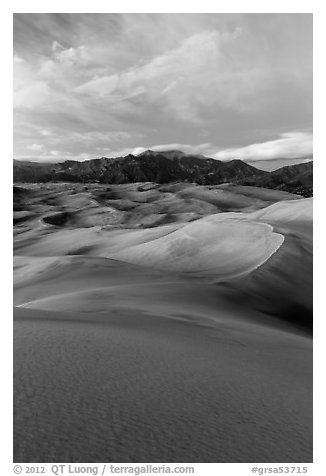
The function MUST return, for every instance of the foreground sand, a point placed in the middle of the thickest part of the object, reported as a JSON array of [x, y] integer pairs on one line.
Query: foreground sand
[[185, 339]]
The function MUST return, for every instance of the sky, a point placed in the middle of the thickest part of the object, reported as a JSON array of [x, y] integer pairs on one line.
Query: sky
[[222, 85]]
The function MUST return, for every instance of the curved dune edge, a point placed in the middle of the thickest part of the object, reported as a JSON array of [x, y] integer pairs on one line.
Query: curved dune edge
[[227, 246], [99, 296], [201, 248]]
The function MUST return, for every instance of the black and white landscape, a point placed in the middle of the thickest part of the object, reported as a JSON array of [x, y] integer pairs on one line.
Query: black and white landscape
[[163, 287]]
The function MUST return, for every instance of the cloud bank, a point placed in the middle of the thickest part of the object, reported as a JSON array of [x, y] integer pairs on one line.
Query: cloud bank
[[288, 146]]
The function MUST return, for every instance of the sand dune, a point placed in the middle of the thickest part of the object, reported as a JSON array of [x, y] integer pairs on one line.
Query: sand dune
[[288, 212], [141, 319], [283, 286], [222, 244], [97, 205]]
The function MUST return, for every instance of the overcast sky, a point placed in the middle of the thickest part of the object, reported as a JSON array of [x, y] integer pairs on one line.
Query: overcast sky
[[223, 85]]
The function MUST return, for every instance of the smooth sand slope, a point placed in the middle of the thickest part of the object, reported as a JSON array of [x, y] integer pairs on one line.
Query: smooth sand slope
[[183, 337]]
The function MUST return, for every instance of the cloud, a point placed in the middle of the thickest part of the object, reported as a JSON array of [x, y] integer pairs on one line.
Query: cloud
[[45, 132], [186, 148], [66, 63], [34, 95], [95, 137], [114, 82], [289, 145], [35, 147], [99, 87], [18, 60], [182, 81]]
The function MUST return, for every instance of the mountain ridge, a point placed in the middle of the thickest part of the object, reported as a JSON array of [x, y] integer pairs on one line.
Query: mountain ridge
[[164, 167]]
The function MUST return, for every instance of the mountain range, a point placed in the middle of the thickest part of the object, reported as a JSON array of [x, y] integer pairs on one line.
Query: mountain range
[[165, 167]]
